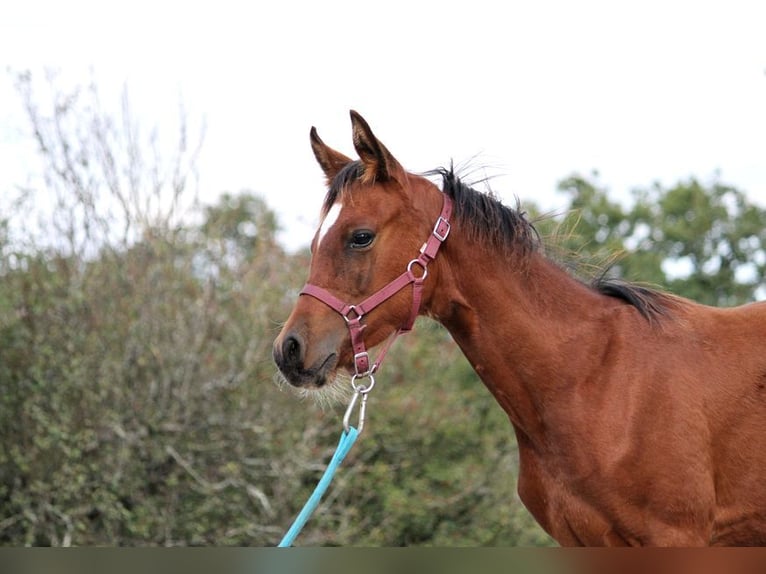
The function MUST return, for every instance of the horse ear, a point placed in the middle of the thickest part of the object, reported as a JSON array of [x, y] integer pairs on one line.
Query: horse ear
[[379, 164], [330, 161]]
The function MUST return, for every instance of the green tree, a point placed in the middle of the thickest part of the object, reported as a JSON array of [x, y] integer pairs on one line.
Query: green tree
[[707, 243], [714, 231], [133, 408]]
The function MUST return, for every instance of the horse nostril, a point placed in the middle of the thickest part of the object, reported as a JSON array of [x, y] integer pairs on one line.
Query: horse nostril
[[291, 350]]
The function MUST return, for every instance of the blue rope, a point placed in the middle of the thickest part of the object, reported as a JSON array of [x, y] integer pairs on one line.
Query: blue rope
[[347, 439]]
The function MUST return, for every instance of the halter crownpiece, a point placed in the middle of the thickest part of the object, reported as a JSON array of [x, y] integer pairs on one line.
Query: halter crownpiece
[[353, 314]]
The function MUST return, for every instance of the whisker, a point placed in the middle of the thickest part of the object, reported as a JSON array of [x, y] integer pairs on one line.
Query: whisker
[[336, 392]]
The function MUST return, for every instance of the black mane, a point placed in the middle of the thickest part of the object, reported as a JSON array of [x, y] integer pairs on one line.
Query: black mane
[[488, 220], [651, 303]]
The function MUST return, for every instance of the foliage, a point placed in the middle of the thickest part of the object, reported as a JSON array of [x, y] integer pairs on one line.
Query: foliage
[[707, 243], [714, 231], [132, 398]]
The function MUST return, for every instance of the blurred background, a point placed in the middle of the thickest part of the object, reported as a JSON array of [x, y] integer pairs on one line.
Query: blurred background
[[158, 194]]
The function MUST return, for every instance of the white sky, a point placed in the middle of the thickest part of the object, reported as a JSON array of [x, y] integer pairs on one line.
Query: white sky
[[642, 91]]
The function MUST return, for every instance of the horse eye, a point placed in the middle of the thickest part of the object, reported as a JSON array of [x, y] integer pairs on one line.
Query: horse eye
[[361, 239]]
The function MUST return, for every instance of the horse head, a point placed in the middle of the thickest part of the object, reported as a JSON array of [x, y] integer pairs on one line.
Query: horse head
[[374, 220]]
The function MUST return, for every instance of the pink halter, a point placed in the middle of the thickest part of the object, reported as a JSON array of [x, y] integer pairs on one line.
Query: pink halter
[[353, 314]]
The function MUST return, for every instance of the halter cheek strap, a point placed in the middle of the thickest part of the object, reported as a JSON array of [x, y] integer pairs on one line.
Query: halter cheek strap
[[353, 314]]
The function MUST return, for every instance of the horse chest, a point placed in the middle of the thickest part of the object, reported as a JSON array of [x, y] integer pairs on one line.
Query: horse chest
[[565, 515]]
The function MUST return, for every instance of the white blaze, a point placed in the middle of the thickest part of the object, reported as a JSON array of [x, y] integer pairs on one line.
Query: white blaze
[[329, 221]]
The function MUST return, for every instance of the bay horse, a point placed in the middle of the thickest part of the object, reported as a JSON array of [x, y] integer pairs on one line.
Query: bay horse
[[640, 416]]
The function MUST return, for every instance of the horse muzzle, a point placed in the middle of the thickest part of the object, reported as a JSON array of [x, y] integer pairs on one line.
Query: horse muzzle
[[290, 356]]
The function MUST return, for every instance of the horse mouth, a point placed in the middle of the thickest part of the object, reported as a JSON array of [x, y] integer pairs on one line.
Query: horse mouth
[[316, 377], [326, 368]]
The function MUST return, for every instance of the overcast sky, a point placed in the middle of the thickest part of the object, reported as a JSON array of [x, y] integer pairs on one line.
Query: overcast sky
[[641, 91]]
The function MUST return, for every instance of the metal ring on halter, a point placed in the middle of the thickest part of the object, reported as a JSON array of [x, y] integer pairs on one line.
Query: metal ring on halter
[[363, 389], [350, 309], [425, 269]]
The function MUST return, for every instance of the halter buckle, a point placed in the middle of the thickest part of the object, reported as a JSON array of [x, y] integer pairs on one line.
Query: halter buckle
[[363, 356], [439, 223]]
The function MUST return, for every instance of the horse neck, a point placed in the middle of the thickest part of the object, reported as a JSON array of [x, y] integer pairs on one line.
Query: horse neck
[[518, 323]]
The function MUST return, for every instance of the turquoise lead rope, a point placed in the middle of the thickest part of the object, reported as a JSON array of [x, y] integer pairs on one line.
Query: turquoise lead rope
[[347, 439]]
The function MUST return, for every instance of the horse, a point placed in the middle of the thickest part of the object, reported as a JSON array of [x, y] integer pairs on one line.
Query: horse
[[640, 416]]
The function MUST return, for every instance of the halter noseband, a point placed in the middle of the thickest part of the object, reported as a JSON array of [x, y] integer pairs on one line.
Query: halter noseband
[[353, 314]]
